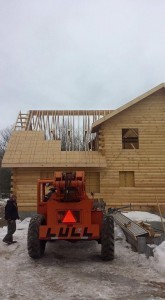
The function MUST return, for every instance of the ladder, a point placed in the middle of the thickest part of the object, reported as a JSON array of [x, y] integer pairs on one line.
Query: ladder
[[22, 121]]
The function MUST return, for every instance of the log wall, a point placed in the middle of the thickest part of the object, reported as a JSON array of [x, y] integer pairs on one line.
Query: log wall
[[25, 184], [147, 163]]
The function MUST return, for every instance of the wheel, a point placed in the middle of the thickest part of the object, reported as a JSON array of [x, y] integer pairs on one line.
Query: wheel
[[107, 238], [36, 247]]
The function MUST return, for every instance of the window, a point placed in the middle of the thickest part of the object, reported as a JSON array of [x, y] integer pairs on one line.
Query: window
[[130, 138], [126, 178]]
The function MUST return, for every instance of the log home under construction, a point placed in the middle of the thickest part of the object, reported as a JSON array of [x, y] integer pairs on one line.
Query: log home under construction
[[122, 151]]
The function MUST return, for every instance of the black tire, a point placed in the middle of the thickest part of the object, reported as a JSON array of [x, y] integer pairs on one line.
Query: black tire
[[36, 247], [107, 238]]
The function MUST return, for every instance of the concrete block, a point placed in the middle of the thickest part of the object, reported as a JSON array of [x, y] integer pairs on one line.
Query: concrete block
[[141, 244]]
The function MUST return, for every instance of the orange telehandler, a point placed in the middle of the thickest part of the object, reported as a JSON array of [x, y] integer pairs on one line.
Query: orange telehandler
[[65, 212]]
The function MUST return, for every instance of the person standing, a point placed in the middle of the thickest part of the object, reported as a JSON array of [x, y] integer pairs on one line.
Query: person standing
[[11, 215]]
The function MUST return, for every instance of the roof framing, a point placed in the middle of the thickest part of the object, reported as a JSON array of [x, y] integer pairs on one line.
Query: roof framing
[[72, 127]]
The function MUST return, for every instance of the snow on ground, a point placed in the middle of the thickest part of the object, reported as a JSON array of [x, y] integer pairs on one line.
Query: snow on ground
[[4, 200], [159, 251], [159, 258], [142, 216], [75, 271]]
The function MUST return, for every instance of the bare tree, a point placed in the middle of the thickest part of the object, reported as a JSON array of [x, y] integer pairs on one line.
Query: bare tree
[[5, 173], [71, 140], [4, 138]]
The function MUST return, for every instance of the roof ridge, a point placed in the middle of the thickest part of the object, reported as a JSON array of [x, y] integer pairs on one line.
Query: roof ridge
[[97, 123]]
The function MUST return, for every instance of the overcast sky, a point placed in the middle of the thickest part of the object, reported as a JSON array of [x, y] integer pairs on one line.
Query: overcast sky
[[78, 54]]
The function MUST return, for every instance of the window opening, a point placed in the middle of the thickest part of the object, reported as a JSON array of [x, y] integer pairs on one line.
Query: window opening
[[130, 138]]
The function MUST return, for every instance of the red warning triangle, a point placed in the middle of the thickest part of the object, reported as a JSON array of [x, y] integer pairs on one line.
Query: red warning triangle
[[69, 217]]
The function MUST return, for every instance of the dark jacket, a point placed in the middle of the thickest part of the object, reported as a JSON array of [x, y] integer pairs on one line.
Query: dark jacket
[[11, 210]]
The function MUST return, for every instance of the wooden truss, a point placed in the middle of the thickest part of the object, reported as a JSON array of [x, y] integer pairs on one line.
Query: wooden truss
[[72, 127]]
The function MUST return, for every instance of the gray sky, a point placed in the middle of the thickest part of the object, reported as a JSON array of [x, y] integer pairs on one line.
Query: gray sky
[[78, 54]]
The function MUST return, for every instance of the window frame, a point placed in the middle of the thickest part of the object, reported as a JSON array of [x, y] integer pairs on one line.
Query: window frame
[[130, 142], [125, 179]]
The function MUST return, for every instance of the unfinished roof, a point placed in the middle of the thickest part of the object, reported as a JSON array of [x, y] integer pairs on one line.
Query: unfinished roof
[[30, 149], [72, 127], [99, 122], [52, 138]]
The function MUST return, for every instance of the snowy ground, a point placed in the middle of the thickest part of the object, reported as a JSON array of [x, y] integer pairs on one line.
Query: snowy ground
[[143, 216], [75, 271]]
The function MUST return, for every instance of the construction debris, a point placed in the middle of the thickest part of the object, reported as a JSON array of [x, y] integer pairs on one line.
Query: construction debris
[[141, 235], [148, 227]]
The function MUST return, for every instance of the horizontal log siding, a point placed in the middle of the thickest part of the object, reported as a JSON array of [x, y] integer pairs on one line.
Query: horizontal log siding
[[148, 162], [25, 187], [25, 184]]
